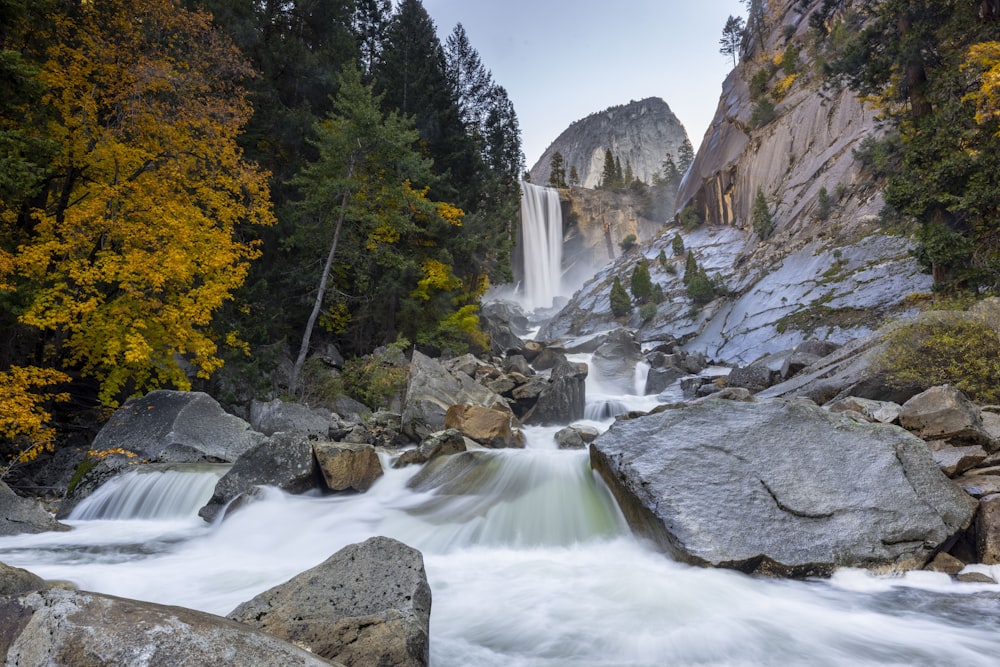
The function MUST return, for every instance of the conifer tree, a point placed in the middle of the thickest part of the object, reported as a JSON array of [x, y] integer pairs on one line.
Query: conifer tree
[[621, 305], [641, 283], [732, 37], [557, 171], [574, 176]]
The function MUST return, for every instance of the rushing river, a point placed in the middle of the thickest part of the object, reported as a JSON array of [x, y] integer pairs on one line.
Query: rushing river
[[530, 564]]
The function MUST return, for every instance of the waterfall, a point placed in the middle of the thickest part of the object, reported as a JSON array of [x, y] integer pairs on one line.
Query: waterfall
[[172, 493], [541, 245]]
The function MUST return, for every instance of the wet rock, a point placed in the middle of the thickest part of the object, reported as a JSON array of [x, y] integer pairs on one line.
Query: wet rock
[[80, 629], [575, 436], [563, 398], [549, 357], [347, 466], [944, 413], [280, 417], [432, 389], [945, 563], [15, 581], [658, 379], [94, 474], [779, 487], [488, 427], [368, 604], [24, 515], [178, 427], [285, 460], [442, 443], [975, 578], [518, 364], [741, 394], [615, 359]]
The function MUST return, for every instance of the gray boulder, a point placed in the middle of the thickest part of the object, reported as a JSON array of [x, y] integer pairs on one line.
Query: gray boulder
[[780, 487], [615, 359], [564, 398], [368, 604], [432, 389], [755, 377], [280, 417], [575, 436], [286, 461], [178, 427], [884, 412], [80, 629], [24, 515], [347, 466]]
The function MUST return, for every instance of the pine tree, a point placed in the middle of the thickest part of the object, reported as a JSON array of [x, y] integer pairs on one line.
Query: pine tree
[[732, 37], [574, 177], [685, 156], [608, 173], [641, 284], [763, 221], [557, 171], [677, 245], [621, 305], [690, 267]]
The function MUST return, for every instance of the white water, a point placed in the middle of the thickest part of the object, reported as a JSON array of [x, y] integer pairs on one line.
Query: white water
[[542, 239], [151, 493], [531, 565]]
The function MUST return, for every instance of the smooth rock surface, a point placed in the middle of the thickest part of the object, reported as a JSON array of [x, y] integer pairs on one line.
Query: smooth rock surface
[[178, 427], [944, 413], [368, 604], [487, 426], [347, 466], [66, 628], [780, 487], [24, 515]]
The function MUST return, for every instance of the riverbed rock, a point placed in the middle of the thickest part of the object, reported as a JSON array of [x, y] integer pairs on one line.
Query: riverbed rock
[[988, 529], [575, 436], [432, 389], [177, 427], [884, 412], [368, 604], [15, 581], [944, 413], [615, 359], [285, 460], [347, 466], [954, 461], [442, 443], [72, 628], [563, 398], [780, 487], [487, 426], [24, 515]]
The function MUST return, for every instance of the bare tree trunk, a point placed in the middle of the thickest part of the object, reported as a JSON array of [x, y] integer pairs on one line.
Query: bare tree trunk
[[324, 278]]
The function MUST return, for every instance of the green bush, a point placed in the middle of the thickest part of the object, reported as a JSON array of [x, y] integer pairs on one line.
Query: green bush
[[647, 311], [690, 218], [621, 305], [823, 205], [763, 113], [699, 287], [374, 379], [758, 83], [627, 243], [960, 349], [641, 284]]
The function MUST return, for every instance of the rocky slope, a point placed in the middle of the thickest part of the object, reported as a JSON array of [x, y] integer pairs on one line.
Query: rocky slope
[[638, 133], [826, 269]]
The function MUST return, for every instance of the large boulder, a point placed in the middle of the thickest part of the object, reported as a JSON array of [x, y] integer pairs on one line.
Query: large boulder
[[487, 426], [437, 444], [944, 413], [615, 359], [563, 398], [347, 466], [24, 515], [432, 389], [280, 417], [780, 487], [80, 629], [15, 581], [177, 427], [368, 604], [286, 461]]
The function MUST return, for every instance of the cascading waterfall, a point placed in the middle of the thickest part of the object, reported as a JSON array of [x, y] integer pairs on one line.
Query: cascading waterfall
[[541, 244], [152, 493]]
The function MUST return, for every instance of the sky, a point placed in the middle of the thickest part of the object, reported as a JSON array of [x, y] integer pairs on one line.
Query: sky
[[562, 60]]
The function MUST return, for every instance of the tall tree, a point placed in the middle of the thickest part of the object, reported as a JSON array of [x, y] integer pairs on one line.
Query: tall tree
[[134, 241], [732, 37], [557, 171], [370, 24], [469, 78]]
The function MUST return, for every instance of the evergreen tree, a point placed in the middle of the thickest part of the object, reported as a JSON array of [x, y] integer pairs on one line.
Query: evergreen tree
[[557, 171], [732, 37], [608, 172], [641, 284], [370, 24], [685, 156], [574, 177], [690, 267], [763, 221], [619, 180], [469, 78], [621, 305], [677, 245]]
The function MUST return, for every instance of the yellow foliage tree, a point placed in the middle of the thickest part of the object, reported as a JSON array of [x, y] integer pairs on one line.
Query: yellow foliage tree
[[24, 417], [137, 245], [985, 58]]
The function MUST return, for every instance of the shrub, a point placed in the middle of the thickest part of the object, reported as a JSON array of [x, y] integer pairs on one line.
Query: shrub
[[823, 205], [647, 311], [627, 243], [790, 61], [758, 83], [374, 379], [699, 288], [658, 295], [621, 305], [962, 350], [641, 284], [763, 113], [662, 259], [690, 218]]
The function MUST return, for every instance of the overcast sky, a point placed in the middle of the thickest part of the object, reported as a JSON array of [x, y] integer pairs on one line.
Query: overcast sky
[[562, 60]]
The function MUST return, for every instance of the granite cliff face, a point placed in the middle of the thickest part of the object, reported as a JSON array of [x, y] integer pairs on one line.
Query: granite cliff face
[[640, 134], [826, 269]]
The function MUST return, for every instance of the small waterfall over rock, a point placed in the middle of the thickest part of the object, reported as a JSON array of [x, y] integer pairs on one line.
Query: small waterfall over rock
[[541, 245], [154, 493]]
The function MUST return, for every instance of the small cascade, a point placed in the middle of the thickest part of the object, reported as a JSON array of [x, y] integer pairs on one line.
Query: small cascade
[[541, 245], [177, 492]]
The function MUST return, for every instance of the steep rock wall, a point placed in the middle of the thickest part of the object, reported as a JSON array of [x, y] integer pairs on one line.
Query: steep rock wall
[[639, 133]]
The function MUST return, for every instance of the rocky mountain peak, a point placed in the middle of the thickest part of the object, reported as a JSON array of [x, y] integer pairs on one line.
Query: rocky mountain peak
[[640, 134]]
